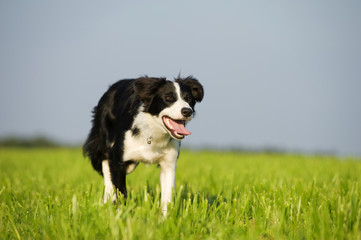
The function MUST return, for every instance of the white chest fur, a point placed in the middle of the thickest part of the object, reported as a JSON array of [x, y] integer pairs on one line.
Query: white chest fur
[[152, 144]]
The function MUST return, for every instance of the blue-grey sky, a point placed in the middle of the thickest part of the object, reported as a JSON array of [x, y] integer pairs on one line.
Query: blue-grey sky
[[283, 74]]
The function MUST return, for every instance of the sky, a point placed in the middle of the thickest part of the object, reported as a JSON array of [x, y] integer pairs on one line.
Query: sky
[[276, 74]]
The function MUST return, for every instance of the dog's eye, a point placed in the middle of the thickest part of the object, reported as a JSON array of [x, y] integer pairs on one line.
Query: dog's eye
[[188, 99], [169, 99]]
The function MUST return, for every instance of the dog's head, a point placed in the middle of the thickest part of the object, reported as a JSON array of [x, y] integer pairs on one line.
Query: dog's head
[[170, 103]]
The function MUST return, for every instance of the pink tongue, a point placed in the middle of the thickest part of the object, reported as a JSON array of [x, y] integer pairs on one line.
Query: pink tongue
[[179, 128]]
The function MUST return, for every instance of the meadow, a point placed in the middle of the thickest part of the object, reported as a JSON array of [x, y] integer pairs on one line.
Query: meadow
[[53, 193]]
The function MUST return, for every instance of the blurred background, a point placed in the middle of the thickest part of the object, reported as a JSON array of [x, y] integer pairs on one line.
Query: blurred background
[[278, 75]]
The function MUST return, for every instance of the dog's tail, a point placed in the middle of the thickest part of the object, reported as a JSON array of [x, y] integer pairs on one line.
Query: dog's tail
[[93, 149]]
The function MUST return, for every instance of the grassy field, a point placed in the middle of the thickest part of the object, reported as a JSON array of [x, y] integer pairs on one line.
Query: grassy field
[[54, 194]]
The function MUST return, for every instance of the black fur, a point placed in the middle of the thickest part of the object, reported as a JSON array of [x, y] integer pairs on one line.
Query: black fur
[[109, 118]]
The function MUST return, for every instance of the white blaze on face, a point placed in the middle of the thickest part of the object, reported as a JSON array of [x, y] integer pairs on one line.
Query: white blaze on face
[[175, 111]]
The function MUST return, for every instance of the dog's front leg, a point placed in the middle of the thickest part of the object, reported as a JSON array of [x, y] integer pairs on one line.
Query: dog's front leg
[[118, 173], [167, 182], [109, 192]]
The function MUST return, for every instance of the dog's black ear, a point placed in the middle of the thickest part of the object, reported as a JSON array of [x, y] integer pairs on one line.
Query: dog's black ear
[[145, 88], [194, 86]]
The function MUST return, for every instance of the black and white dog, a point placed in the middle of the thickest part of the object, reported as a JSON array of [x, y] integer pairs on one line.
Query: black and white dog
[[141, 120]]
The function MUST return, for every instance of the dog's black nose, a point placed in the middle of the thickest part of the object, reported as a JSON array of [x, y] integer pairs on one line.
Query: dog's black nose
[[187, 112]]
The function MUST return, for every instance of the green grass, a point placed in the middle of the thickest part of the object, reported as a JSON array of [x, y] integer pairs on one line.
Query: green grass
[[55, 194]]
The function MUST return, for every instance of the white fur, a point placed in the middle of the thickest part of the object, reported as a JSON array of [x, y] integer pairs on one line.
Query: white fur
[[167, 183], [136, 148], [109, 189]]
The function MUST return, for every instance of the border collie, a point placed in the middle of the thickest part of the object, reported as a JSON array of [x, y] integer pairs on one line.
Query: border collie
[[141, 120]]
